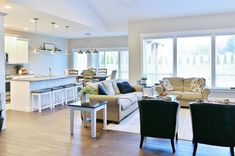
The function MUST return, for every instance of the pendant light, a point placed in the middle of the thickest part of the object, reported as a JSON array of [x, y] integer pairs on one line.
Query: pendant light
[[53, 32], [67, 31], [35, 50], [88, 46]]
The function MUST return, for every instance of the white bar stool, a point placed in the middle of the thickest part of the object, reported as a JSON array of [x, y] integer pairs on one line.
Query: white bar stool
[[44, 99], [57, 96], [69, 93], [77, 89]]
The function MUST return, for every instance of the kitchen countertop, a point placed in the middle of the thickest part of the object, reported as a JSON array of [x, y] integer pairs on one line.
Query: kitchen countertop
[[42, 78]]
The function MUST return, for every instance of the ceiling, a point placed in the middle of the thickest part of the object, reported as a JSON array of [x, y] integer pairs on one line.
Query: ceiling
[[100, 17]]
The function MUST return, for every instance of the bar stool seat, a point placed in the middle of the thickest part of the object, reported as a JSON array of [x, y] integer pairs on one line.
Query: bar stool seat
[[57, 96], [44, 99]]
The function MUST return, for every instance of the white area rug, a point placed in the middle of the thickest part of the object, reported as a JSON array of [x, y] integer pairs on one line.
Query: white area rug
[[132, 124]]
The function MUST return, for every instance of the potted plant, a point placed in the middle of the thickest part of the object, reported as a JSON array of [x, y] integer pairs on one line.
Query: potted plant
[[1, 118], [86, 91], [18, 67]]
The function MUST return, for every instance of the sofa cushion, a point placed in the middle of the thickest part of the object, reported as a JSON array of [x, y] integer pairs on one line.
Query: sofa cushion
[[132, 97], [176, 82], [102, 90], [191, 96], [108, 85], [125, 87], [125, 103], [187, 84], [115, 87], [177, 93], [166, 84]]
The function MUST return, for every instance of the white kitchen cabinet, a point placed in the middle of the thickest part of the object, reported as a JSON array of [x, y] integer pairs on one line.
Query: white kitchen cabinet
[[17, 50]]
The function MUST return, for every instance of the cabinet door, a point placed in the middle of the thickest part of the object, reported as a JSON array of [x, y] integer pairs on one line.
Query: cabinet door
[[10, 48], [22, 51]]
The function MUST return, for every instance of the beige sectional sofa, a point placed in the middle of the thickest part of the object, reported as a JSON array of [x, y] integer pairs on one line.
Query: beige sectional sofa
[[120, 105], [182, 88]]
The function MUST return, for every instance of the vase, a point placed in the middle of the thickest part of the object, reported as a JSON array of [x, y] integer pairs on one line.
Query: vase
[[85, 98]]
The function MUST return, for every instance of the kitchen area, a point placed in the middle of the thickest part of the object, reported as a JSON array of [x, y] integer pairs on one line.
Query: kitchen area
[[27, 70]]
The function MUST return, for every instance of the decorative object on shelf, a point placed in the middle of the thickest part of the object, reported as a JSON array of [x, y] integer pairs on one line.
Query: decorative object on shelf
[[1, 110], [89, 50], [35, 50], [18, 67], [49, 46], [67, 31], [86, 91]]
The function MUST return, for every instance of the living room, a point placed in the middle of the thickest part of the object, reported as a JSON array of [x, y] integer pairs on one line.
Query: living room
[[170, 41]]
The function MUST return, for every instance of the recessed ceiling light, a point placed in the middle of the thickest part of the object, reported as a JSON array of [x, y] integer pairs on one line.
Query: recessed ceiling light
[[25, 28], [32, 20], [5, 25], [7, 7], [56, 26]]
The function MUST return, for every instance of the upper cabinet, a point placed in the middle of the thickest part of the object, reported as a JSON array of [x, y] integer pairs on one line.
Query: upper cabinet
[[17, 50]]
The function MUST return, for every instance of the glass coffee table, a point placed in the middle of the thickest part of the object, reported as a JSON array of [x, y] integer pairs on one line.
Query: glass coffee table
[[91, 107]]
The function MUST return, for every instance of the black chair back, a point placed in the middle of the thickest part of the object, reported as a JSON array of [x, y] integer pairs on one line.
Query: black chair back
[[213, 124], [159, 118]]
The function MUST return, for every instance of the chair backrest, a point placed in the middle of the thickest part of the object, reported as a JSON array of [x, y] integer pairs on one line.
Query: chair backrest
[[102, 71], [213, 123], [158, 118], [113, 75], [72, 72], [94, 70], [88, 75]]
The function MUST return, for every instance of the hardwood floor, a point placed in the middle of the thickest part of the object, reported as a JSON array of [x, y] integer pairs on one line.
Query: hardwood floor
[[47, 134]]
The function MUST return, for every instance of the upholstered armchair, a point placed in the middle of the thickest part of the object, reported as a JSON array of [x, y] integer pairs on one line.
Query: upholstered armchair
[[159, 119], [213, 124]]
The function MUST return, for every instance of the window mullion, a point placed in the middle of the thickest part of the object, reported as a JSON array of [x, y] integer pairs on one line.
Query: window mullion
[[175, 56], [213, 61]]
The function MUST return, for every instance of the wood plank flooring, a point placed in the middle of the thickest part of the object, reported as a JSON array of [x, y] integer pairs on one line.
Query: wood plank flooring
[[47, 134]]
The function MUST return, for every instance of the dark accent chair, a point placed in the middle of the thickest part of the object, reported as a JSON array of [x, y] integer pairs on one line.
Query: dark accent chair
[[213, 124], [159, 119]]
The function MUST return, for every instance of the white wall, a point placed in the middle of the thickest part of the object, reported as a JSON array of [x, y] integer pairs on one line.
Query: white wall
[[136, 28], [2, 67], [39, 63], [98, 42]]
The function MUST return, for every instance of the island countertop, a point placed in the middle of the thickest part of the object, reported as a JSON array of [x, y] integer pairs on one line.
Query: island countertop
[[42, 78]]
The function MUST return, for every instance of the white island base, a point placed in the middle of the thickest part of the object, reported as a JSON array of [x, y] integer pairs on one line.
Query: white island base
[[21, 89]]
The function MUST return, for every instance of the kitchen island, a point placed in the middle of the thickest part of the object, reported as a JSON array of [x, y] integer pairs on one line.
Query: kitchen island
[[21, 89]]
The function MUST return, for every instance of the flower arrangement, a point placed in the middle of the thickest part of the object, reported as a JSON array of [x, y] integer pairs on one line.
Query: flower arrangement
[[87, 90]]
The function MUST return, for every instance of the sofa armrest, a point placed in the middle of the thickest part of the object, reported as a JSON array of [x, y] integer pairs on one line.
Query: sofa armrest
[[138, 88], [205, 93], [159, 89], [113, 100]]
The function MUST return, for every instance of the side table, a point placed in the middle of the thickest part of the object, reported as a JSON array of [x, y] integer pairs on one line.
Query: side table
[[88, 107]]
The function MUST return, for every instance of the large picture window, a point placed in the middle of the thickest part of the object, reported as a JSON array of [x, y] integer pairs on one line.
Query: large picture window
[[194, 57], [159, 59], [209, 56], [225, 61]]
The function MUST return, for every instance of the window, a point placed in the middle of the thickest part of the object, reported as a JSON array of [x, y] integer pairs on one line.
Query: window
[[81, 62], [113, 60], [225, 61], [194, 54], [158, 59], [124, 64]]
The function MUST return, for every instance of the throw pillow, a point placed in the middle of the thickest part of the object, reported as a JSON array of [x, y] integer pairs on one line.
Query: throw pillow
[[166, 84], [108, 85], [102, 90], [197, 84], [125, 87], [115, 87]]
